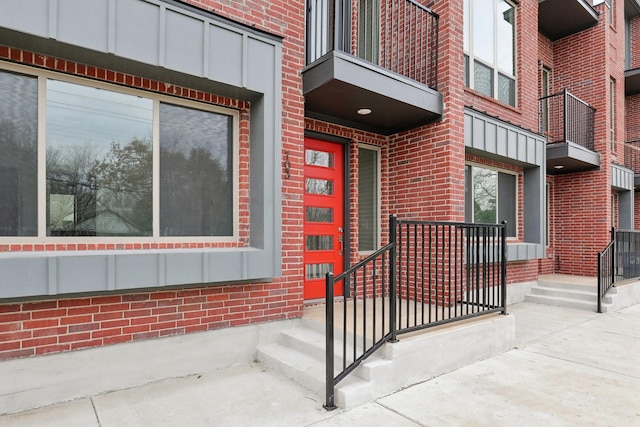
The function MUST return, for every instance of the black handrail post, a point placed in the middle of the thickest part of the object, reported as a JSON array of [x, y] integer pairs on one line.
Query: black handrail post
[[330, 383], [614, 256], [600, 282], [393, 223], [566, 112], [504, 267]]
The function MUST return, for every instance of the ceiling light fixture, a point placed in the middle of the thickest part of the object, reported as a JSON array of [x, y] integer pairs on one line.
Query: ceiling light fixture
[[364, 111]]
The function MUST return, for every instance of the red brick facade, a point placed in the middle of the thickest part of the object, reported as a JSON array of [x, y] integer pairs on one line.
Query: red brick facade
[[423, 177]]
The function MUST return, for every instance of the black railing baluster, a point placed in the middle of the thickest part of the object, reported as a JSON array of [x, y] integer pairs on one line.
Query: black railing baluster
[[422, 274], [372, 279], [415, 274]]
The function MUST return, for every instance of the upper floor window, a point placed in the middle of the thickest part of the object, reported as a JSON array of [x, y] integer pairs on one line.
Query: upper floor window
[[490, 197], [112, 163], [489, 47]]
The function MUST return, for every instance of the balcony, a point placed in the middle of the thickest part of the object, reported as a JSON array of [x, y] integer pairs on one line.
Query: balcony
[[631, 76], [561, 18], [568, 122], [372, 66], [632, 161]]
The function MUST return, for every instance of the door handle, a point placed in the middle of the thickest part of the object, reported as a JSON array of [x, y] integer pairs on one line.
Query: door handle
[[341, 240]]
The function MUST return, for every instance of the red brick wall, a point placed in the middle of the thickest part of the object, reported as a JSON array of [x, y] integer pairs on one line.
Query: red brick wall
[[60, 324], [581, 202]]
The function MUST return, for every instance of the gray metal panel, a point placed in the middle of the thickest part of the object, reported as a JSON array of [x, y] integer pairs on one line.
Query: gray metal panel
[[227, 266], [88, 20], [622, 178], [140, 35], [533, 212], [521, 147], [77, 274], [24, 276], [180, 55], [35, 22], [145, 31], [185, 268], [512, 144], [228, 45], [137, 270], [260, 65]]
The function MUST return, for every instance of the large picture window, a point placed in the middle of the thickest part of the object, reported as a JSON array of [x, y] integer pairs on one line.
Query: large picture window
[[489, 46], [490, 197], [112, 163]]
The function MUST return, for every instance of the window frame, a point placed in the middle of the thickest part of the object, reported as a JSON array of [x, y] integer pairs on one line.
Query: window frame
[[42, 76], [516, 199], [378, 191], [470, 58]]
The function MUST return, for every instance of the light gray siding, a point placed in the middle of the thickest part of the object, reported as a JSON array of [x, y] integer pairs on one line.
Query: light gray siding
[[622, 180]]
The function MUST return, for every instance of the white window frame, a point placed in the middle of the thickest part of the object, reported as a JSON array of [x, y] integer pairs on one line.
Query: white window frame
[[43, 76], [468, 38], [516, 199], [378, 212]]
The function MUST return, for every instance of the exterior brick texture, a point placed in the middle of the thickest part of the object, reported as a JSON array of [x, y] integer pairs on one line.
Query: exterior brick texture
[[422, 178], [62, 324]]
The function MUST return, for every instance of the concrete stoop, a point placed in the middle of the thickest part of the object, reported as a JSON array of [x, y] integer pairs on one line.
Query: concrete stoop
[[566, 294], [416, 357]]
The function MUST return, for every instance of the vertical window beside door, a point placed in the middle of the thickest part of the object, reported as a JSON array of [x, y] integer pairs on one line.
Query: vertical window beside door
[[368, 199]]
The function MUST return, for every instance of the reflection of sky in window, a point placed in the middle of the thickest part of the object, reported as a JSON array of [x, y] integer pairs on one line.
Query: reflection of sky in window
[[505, 36], [85, 116], [484, 184], [18, 98], [183, 129], [483, 21]]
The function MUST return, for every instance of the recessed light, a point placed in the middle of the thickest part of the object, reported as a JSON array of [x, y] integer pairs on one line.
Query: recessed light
[[558, 167], [364, 111]]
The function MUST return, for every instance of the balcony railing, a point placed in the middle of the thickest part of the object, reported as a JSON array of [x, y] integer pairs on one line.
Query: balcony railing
[[565, 118], [430, 274], [397, 35], [632, 156], [619, 261]]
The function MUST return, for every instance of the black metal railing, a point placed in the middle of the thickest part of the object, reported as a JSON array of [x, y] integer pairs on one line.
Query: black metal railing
[[564, 117], [397, 35], [606, 272], [632, 156], [619, 261], [430, 273]]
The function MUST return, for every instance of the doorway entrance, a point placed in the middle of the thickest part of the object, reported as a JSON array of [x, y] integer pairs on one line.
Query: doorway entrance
[[323, 215]]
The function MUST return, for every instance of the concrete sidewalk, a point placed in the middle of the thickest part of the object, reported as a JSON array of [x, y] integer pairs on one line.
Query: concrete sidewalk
[[570, 368]]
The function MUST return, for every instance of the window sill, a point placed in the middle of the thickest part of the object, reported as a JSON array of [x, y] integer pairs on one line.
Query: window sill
[[29, 274]]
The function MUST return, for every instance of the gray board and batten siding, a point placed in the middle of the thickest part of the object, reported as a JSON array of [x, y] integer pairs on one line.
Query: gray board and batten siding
[[488, 137], [148, 38]]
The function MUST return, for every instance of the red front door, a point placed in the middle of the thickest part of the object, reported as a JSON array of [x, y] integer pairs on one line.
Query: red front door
[[323, 215]]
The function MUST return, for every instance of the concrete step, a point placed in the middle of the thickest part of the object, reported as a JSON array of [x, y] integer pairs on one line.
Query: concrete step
[[310, 372], [303, 369], [567, 286], [566, 293], [561, 302], [299, 356]]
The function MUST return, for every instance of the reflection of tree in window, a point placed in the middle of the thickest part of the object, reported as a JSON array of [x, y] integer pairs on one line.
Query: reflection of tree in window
[[18, 158], [196, 197], [484, 195], [111, 195]]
